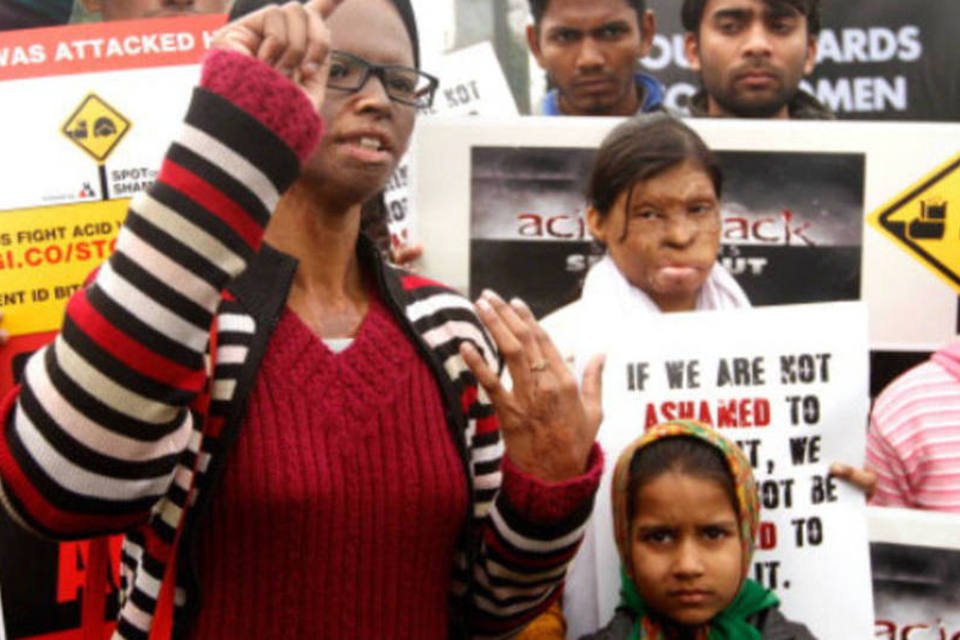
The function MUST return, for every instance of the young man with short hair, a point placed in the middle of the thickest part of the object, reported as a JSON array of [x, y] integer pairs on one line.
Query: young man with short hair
[[590, 50], [751, 56]]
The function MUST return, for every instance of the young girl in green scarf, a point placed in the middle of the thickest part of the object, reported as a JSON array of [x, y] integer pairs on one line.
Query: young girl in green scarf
[[685, 513]]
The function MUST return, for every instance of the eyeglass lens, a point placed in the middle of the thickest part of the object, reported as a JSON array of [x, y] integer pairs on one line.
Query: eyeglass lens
[[404, 84]]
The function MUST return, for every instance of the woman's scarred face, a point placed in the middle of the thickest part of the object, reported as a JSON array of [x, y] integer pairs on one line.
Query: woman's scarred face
[[366, 133]]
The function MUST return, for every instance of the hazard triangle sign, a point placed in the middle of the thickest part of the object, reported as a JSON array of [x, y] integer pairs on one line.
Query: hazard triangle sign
[[925, 221]]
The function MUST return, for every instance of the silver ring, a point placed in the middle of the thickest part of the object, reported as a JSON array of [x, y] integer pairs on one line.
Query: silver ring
[[538, 367]]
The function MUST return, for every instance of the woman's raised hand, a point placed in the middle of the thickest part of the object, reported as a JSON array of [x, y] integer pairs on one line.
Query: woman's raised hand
[[548, 424], [292, 37]]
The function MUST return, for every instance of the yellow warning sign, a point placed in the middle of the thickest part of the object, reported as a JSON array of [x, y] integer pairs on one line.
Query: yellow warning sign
[[925, 220], [45, 255], [96, 127]]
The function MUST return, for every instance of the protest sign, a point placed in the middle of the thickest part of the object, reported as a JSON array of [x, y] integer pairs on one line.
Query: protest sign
[[789, 385], [88, 112], [856, 261], [471, 84], [797, 243], [876, 59]]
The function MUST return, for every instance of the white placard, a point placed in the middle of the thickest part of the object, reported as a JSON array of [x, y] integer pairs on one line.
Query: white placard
[[471, 84], [910, 307], [789, 384]]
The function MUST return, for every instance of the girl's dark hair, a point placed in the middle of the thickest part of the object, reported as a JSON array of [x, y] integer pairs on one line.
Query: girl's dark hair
[[639, 149], [679, 454], [373, 223]]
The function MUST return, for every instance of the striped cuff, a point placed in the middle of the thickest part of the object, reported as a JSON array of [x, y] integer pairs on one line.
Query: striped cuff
[[267, 95], [547, 503]]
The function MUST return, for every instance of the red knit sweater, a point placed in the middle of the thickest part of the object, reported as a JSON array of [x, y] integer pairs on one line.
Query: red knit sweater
[[342, 501]]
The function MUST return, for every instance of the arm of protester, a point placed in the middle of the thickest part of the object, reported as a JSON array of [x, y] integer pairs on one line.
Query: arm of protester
[[93, 436], [550, 468], [549, 426]]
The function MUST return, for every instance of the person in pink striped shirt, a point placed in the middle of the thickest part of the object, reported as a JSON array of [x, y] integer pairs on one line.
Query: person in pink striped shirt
[[913, 445]]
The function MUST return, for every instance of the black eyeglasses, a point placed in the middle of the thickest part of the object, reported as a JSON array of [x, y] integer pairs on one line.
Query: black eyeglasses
[[403, 84]]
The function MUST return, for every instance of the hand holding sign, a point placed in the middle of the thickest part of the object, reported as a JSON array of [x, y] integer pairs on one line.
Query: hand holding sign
[[863, 479], [293, 38], [548, 424]]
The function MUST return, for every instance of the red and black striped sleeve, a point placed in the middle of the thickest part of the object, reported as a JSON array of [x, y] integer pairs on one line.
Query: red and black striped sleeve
[[92, 436]]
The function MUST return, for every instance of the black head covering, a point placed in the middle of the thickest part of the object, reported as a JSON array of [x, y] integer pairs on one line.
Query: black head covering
[[404, 8]]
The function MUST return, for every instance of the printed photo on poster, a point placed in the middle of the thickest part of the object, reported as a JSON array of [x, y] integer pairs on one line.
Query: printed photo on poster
[[915, 559], [785, 240]]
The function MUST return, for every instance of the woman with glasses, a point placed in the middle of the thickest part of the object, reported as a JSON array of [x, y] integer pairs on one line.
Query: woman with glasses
[[280, 422], [653, 204]]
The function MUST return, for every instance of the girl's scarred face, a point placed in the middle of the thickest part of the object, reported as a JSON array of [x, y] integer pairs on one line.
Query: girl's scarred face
[[664, 234], [685, 547]]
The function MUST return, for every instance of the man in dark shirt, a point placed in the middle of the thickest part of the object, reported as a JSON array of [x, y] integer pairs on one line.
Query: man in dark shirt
[[751, 56]]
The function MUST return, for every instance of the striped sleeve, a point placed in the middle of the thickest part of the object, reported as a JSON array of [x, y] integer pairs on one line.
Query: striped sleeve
[[92, 437], [913, 444], [531, 534], [883, 460], [527, 531]]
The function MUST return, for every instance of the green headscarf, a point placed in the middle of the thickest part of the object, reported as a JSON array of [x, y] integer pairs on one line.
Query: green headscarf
[[731, 623]]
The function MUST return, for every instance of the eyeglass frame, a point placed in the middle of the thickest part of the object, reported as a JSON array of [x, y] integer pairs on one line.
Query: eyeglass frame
[[380, 71]]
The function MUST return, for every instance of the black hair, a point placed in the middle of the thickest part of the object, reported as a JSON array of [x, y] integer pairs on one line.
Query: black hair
[[691, 13], [373, 222], [404, 8], [641, 148], [539, 7], [679, 454]]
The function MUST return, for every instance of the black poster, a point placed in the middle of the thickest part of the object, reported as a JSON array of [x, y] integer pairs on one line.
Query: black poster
[[792, 224], [877, 59], [916, 591]]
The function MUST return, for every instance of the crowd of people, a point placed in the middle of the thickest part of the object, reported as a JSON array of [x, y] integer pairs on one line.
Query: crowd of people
[[321, 444]]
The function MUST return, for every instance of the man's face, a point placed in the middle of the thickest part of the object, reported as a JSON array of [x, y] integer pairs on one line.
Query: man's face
[[589, 49], [136, 9], [751, 56]]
